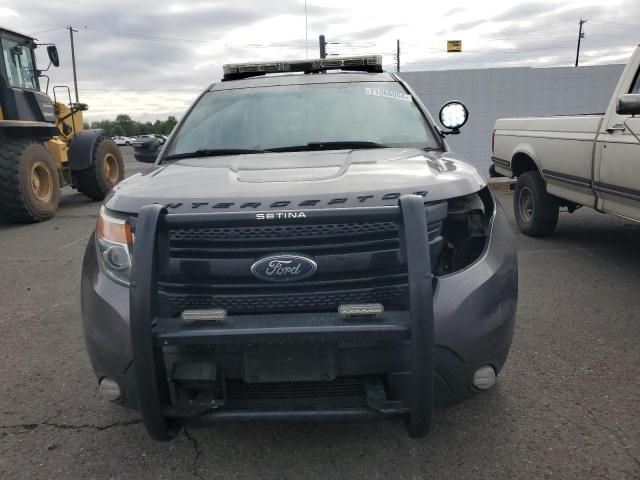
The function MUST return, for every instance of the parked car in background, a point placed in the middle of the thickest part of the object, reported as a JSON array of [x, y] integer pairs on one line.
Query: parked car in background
[[574, 161], [147, 147], [119, 140]]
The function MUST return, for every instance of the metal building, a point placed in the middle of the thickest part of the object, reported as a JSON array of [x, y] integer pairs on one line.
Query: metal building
[[512, 92]]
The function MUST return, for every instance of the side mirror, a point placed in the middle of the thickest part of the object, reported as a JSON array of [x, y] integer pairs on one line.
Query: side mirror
[[54, 58], [453, 115], [628, 104]]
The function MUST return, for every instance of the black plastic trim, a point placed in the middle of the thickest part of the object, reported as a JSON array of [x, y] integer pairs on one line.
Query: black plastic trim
[[572, 179], [624, 192], [500, 161], [142, 309], [413, 233], [148, 331], [81, 148]]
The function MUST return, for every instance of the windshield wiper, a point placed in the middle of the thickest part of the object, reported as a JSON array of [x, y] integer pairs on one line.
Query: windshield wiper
[[211, 152], [340, 145]]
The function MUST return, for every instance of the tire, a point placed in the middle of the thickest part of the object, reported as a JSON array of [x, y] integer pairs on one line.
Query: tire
[[536, 211], [105, 171], [29, 182]]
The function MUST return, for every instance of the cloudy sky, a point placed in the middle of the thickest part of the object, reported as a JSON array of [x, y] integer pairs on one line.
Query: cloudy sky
[[150, 59]]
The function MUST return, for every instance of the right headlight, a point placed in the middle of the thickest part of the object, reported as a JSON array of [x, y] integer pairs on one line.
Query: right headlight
[[113, 246], [465, 231]]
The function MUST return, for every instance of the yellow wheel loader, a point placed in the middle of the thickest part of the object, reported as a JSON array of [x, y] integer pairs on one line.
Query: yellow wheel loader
[[43, 145]]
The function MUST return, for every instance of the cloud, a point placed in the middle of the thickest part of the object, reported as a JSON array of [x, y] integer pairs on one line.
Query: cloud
[[8, 13], [152, 59], [464, 26], [453, 11], [525, 11], [372, 33]]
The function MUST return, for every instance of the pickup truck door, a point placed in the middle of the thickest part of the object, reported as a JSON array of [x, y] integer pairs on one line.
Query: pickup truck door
[[617, 179]]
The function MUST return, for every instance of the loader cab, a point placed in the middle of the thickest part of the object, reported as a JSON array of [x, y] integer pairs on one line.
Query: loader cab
[[20, 95]]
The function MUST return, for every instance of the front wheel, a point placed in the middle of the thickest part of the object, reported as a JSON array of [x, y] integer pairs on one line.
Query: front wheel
[[29, 182], [536, 211], [105, 171]]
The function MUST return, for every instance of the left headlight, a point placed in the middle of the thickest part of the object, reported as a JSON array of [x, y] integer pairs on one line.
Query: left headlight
[[113, 246]]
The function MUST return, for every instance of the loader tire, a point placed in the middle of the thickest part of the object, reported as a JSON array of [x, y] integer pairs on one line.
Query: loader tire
[[105, 171], [29, 182]]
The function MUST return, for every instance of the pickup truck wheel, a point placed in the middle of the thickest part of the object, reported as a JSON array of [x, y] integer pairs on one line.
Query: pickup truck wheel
[[536, 211]]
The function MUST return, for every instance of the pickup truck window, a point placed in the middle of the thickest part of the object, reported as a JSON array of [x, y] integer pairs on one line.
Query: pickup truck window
[[285, 116]]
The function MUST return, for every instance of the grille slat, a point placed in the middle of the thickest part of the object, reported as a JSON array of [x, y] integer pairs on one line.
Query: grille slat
[[252, 286], [358, 262], [284, 232], [389, 296]]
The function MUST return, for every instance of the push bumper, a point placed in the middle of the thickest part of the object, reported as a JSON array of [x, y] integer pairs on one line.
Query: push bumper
[[457, 323]]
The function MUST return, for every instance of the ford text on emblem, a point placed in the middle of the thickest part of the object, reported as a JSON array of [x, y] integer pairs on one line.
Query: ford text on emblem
[[284, 268]]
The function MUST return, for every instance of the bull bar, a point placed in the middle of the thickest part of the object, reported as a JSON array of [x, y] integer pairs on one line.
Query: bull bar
[[150, 332]]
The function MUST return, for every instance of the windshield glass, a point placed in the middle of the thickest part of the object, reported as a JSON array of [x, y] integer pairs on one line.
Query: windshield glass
[[296, 115], [19, 65]]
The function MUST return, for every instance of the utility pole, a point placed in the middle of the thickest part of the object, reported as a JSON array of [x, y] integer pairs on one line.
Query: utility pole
[[323, 45], [73, 61], [398, 56], [580, 37]]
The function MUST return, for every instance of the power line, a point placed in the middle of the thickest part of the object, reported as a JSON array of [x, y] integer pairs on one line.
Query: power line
[[47, 30], [625, 25], [528, 30], [154, 38]]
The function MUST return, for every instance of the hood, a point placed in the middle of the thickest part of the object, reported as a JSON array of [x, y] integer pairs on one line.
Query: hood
[[297, 180]]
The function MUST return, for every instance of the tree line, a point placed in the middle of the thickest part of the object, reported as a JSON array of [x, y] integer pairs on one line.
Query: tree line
[[124, 125]]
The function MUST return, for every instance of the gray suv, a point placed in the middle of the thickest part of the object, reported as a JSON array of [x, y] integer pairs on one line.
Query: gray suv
[[306, 245]]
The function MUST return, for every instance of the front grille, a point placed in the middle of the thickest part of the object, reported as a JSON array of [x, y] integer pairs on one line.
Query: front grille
[[283, 231], [358, 262], [392, 296]]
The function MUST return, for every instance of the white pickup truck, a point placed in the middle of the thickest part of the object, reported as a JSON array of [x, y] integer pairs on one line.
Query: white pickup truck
[[573, 161]]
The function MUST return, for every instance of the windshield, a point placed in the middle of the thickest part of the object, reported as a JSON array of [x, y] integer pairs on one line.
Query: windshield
[[279, 117], [18, 64]]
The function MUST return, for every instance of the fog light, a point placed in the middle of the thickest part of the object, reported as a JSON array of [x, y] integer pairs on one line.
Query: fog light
[[109, 389], [484, 378]]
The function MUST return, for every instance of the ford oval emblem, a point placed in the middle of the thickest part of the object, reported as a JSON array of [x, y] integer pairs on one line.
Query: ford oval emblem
[[284, 268]]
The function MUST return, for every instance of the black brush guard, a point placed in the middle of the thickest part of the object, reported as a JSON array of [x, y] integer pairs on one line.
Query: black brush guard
[[147, 336]]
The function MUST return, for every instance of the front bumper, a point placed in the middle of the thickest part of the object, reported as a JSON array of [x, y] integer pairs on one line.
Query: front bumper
[[341, 367]]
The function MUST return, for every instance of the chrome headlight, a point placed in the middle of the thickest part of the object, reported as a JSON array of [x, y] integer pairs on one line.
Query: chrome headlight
[[113, 246]]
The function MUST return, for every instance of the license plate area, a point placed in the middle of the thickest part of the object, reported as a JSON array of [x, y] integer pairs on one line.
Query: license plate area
[[289, 362]]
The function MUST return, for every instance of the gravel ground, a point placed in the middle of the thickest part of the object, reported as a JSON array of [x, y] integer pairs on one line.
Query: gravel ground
[[566, 404]]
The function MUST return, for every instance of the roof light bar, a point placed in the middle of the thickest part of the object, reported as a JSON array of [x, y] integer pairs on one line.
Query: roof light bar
[[364, 63]]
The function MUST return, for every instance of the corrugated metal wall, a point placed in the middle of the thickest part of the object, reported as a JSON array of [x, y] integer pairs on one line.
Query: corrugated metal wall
[[512, 92]]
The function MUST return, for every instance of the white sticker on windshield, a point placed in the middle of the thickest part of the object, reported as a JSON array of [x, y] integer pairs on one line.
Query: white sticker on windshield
[[379, 92]]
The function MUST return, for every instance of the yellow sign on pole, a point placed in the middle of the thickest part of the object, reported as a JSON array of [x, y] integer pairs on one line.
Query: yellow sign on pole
[[454, 46]]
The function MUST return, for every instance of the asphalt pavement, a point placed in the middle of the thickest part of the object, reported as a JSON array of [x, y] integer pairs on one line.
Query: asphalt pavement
[[566, 404]]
